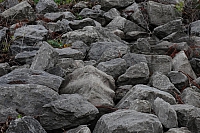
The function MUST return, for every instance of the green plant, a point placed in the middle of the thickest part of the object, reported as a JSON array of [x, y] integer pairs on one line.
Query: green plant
[[19, 116], [180, 6]]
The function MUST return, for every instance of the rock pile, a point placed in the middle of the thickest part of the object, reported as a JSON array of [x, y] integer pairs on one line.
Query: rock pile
[[124, 66]]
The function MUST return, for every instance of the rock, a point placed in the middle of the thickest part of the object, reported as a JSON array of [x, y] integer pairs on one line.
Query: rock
[[6, 112], [179, 79], [160, 14], [81, 5], [113, 67], [195, 64], [180, 63], [141, 46], [21, 11], [59, 26], [128, 121], [117, 23], [162, 82], [134, 35], [29, 35], [107, 4], [162, 47], [95, 85], [177, 37], [159, 63], [15, 49], [132, 27], [178, 130], [111, 14], [26, 57], [3, 32], [144, 92], [104, 51], [4, 68], [46, 57], [55, 16], [70, 53], [69, 110], [168, 28], [188, 116], [80, 129], [30, 76], [90, 34], [80, 46], [191, 97], [143, 106], [79, 24], [166, 114], [119, 33], [46, 6], [10, 3], [194, 28], [136, 74], [132, 59], [25, 99], [25, 124], [121, 92], [69, 16]]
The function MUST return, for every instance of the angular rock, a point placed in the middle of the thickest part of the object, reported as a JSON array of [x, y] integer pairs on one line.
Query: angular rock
[[178, 130], [29, 35], [59, 26], [168, 28], [69, 110], [95, 85], [191, 97], [195, 64], [90, 34], [46, 57], [188, 116], [79, 24], [136, 74], [195, 30], [55, 16], [10, 3], [128, 121], [107, 4], [159, 63], [134, 35], [144, 92], [80, 46], [15, 49], [132, 27], [7, 111], [4, 68], [117, 23], [114, 67], [21, 11], [162, 82], [180, 63], [46, 6], [162, 47], [143, 106], [30, 76], [111, 14], [132, 59], [68, 15], [25, 99], [26, 57], [141, 46], [3, 32], [121, 91], [160, 14], [81, 5], [166, 113], [179, 79], [177, 37], [70, 53], [80, 129], [104, 51], [26, 124]]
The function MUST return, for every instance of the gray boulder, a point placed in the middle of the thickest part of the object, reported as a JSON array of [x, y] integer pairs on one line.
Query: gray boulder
[[114, 67], [111, 14], [159, 63], [68, 15], [191, 97], [69, 110], [45, 58], [29, 35], [160, 14], [15, 49], [166, 114], [177, 37], [30, 76], [7, 111], [162, 82], [136, 74], [134, 35], [25, 99], [104, 51], [178, 130], [143, 106], [46, 6], [4, 68], [54, 16], [21, 11], [168, 28], [141, 46], [180, 63], [107, 4], [26, 57], [144, 92], [128, 121], [3, 32], [79, 24], [188, 116], [80, 129], [80, 46], [162, 47], [195, 63], [121, 91], [117, 23], [195, 30], [95, 85], [10, 3], [26, 124]]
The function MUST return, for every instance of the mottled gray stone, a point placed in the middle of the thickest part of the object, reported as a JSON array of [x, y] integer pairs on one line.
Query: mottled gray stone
[[80, 129], [128, 121], [144, 92], [4, 68], [95, 85], [166, 113], [68, 15], [69, 110], [188, 116], [26, 57], [46, 6], [26, 124], [111, 14], [177, 37], [30, 76], [3, 31], [121, 91], [55, 16], [195, 30], [135, 74], [10, 3], [80, 46], [46, 57], [114, 67], [178, 130], [107, 4], [79, 24], [117, 23], [141, 46], [134, 35], [143, 106]]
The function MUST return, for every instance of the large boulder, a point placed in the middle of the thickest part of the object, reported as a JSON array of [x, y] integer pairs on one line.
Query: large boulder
[[95, 85], [69, 110], [128, 121]]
